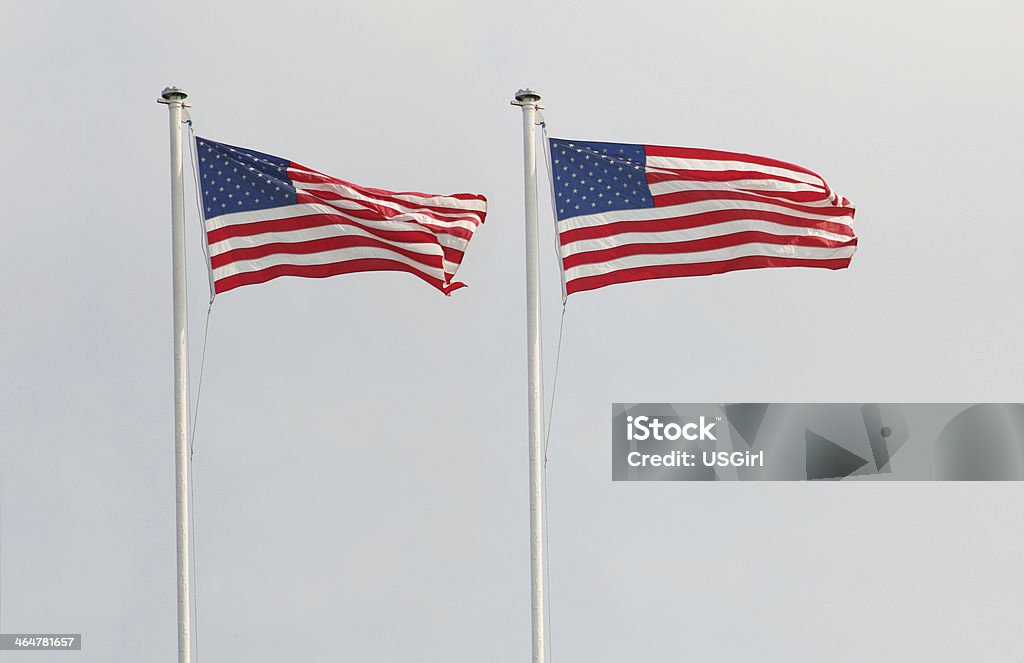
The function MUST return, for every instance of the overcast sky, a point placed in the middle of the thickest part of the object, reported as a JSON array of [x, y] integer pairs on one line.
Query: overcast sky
[[361, 452]]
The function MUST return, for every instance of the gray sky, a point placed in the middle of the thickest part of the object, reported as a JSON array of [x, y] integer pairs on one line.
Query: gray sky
[[361, 458]]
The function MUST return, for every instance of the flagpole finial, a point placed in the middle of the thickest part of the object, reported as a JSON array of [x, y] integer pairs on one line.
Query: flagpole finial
[[526, 96], [173, 93]]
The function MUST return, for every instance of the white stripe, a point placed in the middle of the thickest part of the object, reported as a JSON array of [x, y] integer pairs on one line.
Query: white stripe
[[690, 209], [703, 232], [271, 214], [676, 163], [715, 255], [324, 258], [658, 188], [311, 234]]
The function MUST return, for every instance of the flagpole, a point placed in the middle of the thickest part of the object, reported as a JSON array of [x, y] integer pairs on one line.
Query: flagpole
[[527, 99], [175, 100]]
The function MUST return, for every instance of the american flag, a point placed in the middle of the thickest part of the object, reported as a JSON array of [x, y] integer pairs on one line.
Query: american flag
[[636, 212], [268, 217]]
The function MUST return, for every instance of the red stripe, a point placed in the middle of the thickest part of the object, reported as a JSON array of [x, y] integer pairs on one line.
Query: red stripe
[[318, 246], [316, 221], [323, 271], [701, 269], [681, 197], [698, 221], [696, 245], [700, 153], [452, 255]]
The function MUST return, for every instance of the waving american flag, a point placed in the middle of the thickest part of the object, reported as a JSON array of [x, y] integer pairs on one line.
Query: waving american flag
[[635, 212], [268, 217]]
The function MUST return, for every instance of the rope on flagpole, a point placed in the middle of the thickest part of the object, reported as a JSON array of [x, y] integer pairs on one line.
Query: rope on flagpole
[[554, 384], [199, 385], [192, 483], [209, 308], [547, 528]]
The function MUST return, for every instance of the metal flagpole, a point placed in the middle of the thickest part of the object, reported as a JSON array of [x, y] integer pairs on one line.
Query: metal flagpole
[[175, 100], [527, 100]]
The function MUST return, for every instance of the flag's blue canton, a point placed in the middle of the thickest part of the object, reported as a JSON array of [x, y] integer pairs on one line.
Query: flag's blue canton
[[598, 177], [234, 179]]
